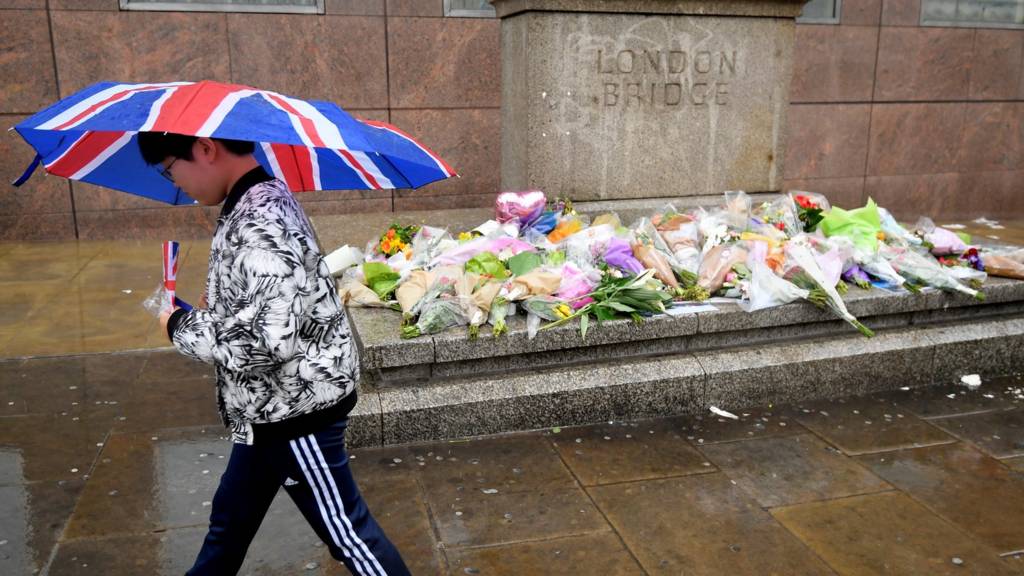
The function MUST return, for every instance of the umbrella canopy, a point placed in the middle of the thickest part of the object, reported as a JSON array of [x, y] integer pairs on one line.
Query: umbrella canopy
[[311, 145]]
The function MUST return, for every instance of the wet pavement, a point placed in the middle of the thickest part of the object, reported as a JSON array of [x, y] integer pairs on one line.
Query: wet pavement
[[111, 449], [108, 464]]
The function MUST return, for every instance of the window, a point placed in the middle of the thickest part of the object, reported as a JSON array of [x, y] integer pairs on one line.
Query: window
[[469, 8], [288, 6], [821, 12], [973, 13]]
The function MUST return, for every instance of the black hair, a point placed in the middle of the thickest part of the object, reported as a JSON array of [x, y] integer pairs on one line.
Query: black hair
[[156, 146]]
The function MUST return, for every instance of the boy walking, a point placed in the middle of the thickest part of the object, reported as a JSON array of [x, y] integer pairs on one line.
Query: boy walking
[[273, 327]]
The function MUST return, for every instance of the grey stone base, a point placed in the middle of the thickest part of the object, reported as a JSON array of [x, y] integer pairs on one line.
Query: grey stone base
[[688, 382]]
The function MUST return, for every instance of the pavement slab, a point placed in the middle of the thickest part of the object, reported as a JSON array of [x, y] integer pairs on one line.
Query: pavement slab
[[999, 434], [628, 451], [77, 383], [792, 469], [750, 423], [399, 507], [965, 486], [517, 463], [479, 517], [58, 446], [888, 533], [944, 400], [862, 425], [702, 525], [601, 553], [32, 517]]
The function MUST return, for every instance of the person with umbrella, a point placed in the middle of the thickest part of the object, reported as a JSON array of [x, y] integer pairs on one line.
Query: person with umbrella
[[271, 322]]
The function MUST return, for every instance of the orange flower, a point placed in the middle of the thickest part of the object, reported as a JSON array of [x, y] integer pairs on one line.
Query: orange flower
[[391, 233], [385, 246]]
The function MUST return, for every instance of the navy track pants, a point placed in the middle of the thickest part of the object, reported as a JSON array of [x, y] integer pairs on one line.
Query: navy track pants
[[314, 471]]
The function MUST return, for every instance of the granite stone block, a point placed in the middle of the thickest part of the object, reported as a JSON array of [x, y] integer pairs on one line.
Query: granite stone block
[[816, 368], [355, 7], [33, 227], [607, 105], [994, 138], [589, 354], [906, 196], [996, 70], [422, 8], [380, 346], [468, 139], [861, 12], [901, 12], [365, 424], [923, 64], [133, 46], [629, 390], [455, 345], [444, 62], [833, 64], [827, 140], [350, 73], [990, 348], [182, 222], [914, 138], [30, 82]]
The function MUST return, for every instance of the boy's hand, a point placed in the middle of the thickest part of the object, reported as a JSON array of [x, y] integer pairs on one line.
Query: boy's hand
[[165, 316], [202, 301]]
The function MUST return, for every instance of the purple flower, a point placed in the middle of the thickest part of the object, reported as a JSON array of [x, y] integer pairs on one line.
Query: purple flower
[[974, 259], [620, 255], [854, 275]]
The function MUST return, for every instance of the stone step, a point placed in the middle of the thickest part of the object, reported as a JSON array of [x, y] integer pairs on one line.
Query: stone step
[[689, 382], [390, 362]]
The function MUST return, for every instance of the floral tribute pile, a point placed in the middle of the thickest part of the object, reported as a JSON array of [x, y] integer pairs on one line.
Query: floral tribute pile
[[554, 265]]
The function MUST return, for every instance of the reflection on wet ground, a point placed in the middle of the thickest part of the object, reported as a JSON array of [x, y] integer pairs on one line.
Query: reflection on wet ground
[[109, 462], [111, 449]]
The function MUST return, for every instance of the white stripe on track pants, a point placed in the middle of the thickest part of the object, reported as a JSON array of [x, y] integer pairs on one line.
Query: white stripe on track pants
[[314, 471]]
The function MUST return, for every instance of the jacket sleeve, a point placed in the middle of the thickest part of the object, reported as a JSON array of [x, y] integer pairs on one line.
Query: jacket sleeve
[[258, 327]]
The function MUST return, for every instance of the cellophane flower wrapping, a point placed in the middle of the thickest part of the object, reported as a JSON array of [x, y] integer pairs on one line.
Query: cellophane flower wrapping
[[765, 288], [924, 270]]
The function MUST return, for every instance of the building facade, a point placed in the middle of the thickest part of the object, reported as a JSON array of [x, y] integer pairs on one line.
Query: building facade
[[916, 103]]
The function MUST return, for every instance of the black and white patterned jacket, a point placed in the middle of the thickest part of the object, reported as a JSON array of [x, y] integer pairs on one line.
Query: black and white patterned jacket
[[274, 327]]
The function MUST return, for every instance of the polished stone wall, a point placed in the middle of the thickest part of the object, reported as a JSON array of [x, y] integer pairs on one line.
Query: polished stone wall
[[925, 120]]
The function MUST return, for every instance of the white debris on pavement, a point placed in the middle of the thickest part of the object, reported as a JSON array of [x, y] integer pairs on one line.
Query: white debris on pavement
[[971, 380], [719, 412]]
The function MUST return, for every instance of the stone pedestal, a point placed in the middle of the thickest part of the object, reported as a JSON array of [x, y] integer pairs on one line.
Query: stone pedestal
[[612, 99]]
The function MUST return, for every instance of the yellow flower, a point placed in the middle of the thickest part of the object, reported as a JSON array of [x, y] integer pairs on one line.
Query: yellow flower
[[463, 236], [881, 236]]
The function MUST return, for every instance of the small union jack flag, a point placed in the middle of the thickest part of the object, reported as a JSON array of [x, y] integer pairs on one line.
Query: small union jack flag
[[170, 272], [310, 145]]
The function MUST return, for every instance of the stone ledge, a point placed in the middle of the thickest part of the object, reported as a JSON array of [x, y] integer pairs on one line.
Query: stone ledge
[[688, 383], [383, 350]]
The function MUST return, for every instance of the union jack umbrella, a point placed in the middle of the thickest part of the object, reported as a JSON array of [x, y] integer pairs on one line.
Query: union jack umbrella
[[92, 136]]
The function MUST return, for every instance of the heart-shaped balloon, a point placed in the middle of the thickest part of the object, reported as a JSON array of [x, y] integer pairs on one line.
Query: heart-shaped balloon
[[524, 206]]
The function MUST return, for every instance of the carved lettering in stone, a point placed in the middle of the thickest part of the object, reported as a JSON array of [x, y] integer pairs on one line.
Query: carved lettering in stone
[[664, 78]]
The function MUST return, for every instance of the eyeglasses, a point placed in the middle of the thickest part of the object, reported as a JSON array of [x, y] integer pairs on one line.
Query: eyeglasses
[[166, 172]]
